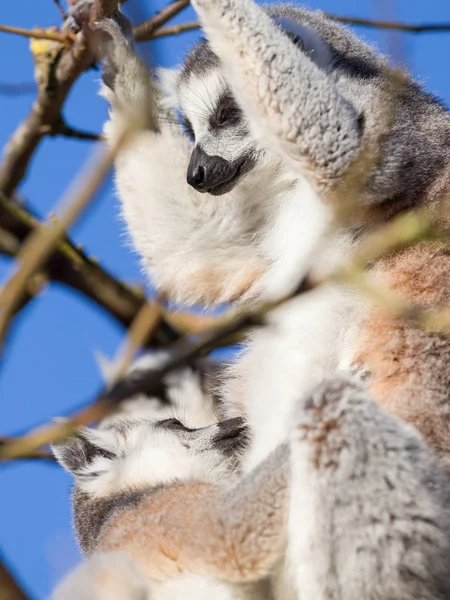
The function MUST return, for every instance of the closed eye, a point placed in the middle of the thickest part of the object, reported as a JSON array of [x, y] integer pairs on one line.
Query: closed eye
[[227, 112], [187, 125]]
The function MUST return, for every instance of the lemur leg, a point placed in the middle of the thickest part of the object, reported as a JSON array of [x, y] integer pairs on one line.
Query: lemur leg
[[291, 103], [236, 535], [194, 248], [408, 367], [369, 517]]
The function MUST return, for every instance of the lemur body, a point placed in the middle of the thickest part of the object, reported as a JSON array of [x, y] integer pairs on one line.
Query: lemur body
[[289, 114], [314, 99], [167, 474], [356, 499]]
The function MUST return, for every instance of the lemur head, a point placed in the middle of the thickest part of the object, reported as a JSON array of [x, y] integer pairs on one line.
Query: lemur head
[[139, 454], [225, 150]]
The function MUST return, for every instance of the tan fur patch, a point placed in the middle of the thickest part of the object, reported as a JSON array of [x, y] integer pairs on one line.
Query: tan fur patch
[[170, 532], [409, 367], [214, 284]]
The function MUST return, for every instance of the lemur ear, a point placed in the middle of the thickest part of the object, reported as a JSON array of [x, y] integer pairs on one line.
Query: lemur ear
[[308, 40], [76, 452], [168, 83]]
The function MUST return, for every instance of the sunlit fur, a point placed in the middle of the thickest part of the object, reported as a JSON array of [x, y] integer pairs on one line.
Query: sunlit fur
[[128, 457]]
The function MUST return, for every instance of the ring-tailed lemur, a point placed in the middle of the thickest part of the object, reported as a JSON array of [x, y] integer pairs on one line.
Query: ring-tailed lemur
[[295, 102], [313, 97], [162, 469], [356, 499]]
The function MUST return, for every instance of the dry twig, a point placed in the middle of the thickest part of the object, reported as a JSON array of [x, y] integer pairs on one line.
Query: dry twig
[[145, 30]]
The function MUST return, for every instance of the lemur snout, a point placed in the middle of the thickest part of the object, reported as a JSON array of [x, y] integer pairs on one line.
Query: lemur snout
[[211, 174]]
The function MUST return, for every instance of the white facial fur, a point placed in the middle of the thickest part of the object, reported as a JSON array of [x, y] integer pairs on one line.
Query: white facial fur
[[198, 99], [147, 455]]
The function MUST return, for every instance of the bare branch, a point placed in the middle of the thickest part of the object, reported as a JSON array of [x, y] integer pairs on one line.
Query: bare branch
[[37, 33], [423, 28], [61, 128], [145, 30], [37, 249], [68, 264], [60, 9], [174, 30], [46, 110]]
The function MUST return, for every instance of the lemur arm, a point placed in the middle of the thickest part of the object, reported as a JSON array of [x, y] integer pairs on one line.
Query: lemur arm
[[290, 102], [182, 236], [236, 535]]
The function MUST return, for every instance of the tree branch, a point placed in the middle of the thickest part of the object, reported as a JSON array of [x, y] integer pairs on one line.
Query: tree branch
[[423, 28], [174, 30], [145, 30], [37, 33], [46, 110]]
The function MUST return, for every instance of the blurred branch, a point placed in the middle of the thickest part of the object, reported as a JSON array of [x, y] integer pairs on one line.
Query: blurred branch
[[69, 265], [9, 587], [39, 246], [145, 30], [37, 33], [60, 9], [33, 455], [61, 128], [46, 110], [17, 89], [401, 232], [423, 28]]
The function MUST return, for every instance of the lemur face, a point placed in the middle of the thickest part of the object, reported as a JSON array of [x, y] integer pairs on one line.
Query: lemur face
[[224, 150], [139, 453]]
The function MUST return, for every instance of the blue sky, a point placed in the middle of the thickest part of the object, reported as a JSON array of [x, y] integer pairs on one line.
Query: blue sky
[[48, 366]]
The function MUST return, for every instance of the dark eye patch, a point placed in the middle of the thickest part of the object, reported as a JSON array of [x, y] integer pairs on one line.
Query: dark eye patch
[[227, 113]]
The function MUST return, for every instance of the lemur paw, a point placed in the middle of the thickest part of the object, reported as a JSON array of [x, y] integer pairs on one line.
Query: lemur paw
[[110, 38]]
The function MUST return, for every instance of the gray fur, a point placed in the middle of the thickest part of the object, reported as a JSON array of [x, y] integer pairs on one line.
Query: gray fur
[[354, 93], [376, 523]]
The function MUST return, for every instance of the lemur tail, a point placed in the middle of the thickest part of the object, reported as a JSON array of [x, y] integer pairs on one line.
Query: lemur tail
[[105, 576]]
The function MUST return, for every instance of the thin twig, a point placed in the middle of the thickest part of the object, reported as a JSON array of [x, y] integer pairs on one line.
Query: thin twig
[[174, 30], [61, 128], [421, 28], [141, 330], [37, 33], [145, 30], [61, 10]]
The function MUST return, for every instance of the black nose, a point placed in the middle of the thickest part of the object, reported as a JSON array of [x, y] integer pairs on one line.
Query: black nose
[[206, 173]]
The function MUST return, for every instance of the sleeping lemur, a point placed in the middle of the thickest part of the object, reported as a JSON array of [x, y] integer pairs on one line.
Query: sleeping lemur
[[287, 111], [162, 470], [356, 500]]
